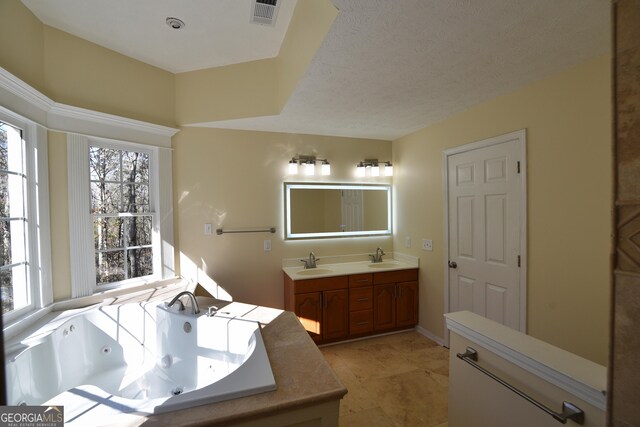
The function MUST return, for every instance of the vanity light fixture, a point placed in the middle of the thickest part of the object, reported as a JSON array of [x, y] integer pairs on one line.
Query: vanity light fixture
[[388, 169], [374, 166], [308, 164], [326, 168], [309, 168], [293, 167]]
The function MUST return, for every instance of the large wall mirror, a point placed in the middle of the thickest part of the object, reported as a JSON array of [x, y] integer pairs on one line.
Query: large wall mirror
[[336, 210]]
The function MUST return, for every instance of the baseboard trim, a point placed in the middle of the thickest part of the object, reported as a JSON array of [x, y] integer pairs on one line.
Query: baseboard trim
[[364, 338], [428, 334]]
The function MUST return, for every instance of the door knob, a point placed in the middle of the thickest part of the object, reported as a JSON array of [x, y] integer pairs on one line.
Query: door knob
[[453, 264]]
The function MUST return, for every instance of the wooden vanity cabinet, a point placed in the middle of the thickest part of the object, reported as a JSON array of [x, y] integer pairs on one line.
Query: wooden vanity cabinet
[[322, 305], [395, 299], [336, 308]]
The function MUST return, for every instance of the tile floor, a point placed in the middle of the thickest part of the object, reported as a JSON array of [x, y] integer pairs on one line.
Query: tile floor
[[394, 380]]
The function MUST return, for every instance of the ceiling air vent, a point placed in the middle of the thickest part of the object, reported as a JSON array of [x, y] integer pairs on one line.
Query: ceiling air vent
[[265, 11]]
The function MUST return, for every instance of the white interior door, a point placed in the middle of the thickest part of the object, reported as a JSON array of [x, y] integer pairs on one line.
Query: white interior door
[[486, 223], [352, 211]]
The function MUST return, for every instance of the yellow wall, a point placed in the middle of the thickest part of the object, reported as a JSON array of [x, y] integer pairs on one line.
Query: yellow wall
[[235, 179], [568, 122], [83, 74], [73, 71], [21, 43], [230, 92]]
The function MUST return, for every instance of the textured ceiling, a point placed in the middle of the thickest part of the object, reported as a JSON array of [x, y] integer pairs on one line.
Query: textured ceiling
[[390, 67], [216, 32], [386, 67]]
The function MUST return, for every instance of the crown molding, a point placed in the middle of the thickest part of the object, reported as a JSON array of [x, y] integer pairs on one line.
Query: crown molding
[[22, 90], [22, 98]]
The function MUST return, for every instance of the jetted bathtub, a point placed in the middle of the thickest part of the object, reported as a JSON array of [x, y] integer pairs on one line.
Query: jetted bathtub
[[136, 358]]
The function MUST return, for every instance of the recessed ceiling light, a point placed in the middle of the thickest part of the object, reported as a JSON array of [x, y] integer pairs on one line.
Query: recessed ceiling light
[[175, 23]]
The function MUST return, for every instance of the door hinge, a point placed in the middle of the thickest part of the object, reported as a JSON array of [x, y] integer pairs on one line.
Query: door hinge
[[518, 260], [518, 164]]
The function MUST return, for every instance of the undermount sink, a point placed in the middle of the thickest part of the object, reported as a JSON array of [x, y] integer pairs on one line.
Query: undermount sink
[[382, 264], [314, 272]]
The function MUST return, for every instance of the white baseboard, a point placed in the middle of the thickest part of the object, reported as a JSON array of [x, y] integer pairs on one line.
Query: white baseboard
[[430, 335]]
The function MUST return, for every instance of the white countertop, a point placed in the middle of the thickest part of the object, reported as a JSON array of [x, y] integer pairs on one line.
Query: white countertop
[[347, 268]]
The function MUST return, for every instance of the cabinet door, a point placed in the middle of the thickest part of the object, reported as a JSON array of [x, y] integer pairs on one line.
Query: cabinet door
[[384, 306], [309, 311], [407, 304], [335, 316]]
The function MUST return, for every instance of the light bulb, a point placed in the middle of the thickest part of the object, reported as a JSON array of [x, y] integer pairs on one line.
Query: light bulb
[[375, 170], [326, 169], [293, 167], [309, 169], [360, 169], [388, 169]]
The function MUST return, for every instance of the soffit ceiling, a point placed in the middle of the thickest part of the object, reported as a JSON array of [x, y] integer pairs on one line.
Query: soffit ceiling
[[390, 67], [217, 32], [386, 67]]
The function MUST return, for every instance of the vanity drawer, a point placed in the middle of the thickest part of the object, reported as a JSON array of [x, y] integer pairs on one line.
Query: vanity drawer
[[361, 299], [360, 322], [396, 276], [321, 284], [360, 280]]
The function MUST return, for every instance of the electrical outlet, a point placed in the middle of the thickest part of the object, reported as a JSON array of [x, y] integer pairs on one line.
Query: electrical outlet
[[427, 244], [267, 245], [208, 229], [407, 242]]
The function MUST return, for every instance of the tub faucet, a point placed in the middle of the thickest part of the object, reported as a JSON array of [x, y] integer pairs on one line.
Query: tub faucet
[[192, 297], [311, 262], [378, 255]]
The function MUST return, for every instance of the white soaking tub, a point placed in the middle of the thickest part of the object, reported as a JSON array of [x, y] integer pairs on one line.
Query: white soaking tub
[[137, 359]]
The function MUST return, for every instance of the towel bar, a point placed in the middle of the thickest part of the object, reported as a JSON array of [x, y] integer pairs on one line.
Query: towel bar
[[220, 231], [569, 410]]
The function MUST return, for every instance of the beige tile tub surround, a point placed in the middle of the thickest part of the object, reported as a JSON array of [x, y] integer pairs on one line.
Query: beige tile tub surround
[[624, 380], [393, 380]]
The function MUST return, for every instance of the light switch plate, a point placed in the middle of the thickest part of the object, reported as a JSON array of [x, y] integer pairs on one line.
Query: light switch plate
[[267, 245], [427, 244], [208, 229], [407, 242]]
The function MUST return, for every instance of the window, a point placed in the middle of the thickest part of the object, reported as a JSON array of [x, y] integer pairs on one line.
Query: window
[[13, 230], [121, 231], [25, 248], [122, 213]]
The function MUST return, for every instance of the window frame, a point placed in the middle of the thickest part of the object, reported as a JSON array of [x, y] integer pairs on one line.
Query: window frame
[[35, 214], [153, 184]]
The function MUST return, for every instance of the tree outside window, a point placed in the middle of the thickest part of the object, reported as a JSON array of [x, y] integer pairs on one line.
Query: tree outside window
[[122, 214]]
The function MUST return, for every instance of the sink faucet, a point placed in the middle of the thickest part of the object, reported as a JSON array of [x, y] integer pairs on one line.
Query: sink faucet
[[378, 255], [311, 262], [194, 303]]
